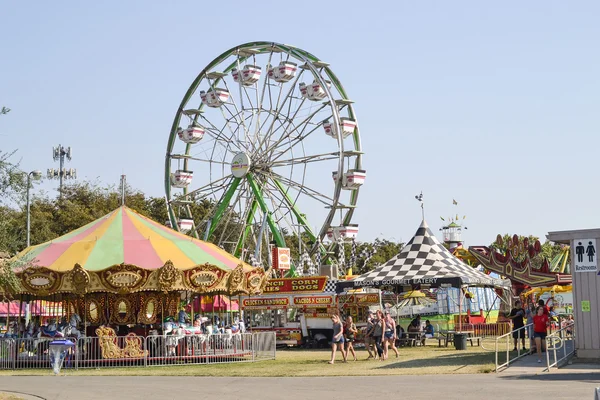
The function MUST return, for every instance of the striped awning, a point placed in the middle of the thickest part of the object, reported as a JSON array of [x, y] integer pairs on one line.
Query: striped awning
[[126, 237]]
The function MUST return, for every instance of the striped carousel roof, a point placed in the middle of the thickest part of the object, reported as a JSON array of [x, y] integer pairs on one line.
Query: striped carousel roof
[[423, 261], [124, 236]]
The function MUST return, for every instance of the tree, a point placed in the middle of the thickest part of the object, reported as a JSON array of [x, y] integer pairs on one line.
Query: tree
[[384, 251], [13, 181], [9, 283]]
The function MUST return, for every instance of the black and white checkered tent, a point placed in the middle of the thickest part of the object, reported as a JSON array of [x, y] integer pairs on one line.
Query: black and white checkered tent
[[423, 261]]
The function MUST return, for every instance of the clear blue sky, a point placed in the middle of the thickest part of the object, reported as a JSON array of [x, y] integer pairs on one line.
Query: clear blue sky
[[495, 105]]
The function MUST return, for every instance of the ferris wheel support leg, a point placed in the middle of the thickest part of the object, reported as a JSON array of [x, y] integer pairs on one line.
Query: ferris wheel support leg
[[223, 206], [263, 206], [299, 216], [249, 220]]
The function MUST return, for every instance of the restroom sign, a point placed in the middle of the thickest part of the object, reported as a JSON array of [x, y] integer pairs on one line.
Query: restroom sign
[[585, 255]]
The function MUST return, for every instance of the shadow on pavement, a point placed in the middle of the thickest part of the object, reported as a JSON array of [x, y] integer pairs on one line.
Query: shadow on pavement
[[449, 360], [556, 376]]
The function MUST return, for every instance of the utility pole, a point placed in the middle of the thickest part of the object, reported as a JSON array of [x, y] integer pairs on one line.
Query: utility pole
[[59, 154], [35, 175]]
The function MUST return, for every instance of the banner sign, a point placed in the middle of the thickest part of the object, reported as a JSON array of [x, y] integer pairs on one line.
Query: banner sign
[[363, 299], [318, 314], [313, 301], [296, 285], [266, 302], [281, 258]]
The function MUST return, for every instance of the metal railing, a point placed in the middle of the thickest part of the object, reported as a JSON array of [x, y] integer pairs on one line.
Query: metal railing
[[483, 330], [506, 340], [139, 351], [560, 340]]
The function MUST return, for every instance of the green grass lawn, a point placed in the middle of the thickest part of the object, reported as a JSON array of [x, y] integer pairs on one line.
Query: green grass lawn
[[298, 362], [9, 396]]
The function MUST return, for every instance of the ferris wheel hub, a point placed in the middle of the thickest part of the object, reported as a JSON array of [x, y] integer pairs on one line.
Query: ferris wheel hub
[[240, 165]]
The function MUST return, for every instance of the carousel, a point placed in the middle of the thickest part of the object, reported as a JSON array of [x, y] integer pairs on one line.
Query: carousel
[[129, 289]]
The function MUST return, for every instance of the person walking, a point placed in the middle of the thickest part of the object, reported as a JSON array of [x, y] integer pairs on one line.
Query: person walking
[[516, 315], [529, 313], [540, 330], [369, 341], [350, 332], [337, 342], [378, 329], [389, 338]]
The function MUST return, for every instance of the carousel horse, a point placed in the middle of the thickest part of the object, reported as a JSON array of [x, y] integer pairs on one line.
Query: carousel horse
[[32, 329], [63, 324], [32, 333], [172, 333], [51, 329], [40, 335], [70, 329], [175, 332], [12, 330]]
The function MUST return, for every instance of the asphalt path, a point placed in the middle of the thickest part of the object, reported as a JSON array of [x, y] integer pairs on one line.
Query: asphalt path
[[567, 383]]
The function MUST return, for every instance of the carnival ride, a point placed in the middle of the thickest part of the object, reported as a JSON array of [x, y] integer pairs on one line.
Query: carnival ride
[[516, 263], [125, 274], [254, 139]]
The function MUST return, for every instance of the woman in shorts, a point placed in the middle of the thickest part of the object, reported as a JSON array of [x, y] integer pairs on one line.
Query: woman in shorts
[[350, 335], [540, 329], [389, 337], [337, 342]]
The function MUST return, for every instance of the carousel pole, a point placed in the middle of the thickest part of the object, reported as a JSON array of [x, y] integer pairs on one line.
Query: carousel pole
[[84, 316], [230, 314], [20, 314], [192, 309], [7, 316], [240, 315], [162, 315], [27, 311]]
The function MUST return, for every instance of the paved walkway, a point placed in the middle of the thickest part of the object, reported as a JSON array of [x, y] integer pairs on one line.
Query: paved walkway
[[529, 364], [577, 383]]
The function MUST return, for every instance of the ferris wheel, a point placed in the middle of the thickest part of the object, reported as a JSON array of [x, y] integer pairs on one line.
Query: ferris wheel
[[267, 142]]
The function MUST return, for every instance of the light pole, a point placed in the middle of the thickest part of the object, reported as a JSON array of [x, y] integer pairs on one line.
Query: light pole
[[36, 175]]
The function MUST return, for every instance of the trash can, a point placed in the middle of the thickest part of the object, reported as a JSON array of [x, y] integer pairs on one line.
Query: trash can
[[58, 350], [460, 341]]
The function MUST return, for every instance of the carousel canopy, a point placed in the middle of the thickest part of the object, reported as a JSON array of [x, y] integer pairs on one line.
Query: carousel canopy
[[124, 236], [423, 261], [125, 252]]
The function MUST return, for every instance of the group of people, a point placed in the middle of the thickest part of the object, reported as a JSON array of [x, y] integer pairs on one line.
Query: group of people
[[539, 318], [381, 334]]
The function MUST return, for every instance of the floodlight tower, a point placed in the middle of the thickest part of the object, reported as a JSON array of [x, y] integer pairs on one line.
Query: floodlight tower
[[59, 154]]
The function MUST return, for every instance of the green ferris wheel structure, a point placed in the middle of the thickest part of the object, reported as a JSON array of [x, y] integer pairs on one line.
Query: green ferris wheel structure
[[268, 140]]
